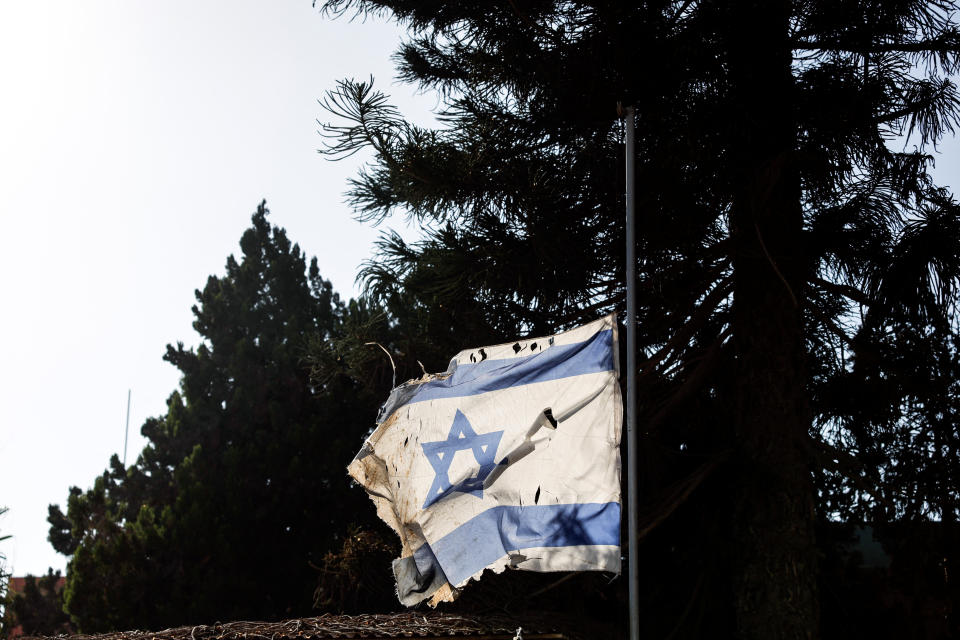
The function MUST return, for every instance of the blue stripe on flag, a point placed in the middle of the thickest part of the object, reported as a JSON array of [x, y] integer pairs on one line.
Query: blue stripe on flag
[[489, 536], [553, 363]]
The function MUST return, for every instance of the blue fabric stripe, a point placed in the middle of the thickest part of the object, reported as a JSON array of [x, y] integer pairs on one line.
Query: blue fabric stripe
[[553, 363], [489, 536]]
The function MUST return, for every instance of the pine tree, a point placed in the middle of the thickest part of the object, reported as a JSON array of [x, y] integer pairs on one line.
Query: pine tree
[[241, 485], [793, 261], [38, 610]]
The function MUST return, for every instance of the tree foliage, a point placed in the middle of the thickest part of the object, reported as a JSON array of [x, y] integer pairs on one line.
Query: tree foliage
[[798, 272], [38, 610], [241, 486]]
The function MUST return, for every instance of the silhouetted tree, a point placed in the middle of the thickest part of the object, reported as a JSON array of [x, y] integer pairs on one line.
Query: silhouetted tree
[[798, 273], [38, 609], [241, 486]]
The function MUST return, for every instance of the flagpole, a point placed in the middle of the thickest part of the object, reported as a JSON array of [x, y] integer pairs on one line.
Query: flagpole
[[631, 328], [126, 430]]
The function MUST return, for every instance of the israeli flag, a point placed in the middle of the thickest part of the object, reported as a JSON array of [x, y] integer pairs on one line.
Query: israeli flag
[[509, 459]]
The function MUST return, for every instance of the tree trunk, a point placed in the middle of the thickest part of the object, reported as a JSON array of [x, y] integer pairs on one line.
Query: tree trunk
[[774, 578]]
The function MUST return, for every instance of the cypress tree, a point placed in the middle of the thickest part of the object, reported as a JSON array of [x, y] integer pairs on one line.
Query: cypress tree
[[241, 486]]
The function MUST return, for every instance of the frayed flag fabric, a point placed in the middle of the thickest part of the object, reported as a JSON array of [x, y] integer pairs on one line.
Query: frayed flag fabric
[[509, 459]]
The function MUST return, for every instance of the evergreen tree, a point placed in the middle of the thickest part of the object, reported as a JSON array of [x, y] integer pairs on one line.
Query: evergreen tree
[[798, 272], [38, 610], [241, 486]]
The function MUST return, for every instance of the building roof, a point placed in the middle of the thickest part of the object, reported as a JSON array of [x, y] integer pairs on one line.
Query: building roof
[[18, 584], [430, 625]]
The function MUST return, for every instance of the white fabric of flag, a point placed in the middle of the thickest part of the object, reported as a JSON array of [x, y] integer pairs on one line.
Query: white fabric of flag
[[508, 459]]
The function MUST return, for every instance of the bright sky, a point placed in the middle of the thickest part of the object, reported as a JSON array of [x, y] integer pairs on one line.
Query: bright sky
[[136, 139]]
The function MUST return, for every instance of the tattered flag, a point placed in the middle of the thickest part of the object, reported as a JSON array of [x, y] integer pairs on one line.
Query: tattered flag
[[508, 459]]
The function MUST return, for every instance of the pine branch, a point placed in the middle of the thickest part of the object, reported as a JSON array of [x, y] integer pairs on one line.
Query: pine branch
[[697, 320], [844, 290], [947, 43], [704, 367], [852, 469]]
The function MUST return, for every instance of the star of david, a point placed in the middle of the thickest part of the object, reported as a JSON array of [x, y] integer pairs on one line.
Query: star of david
[[462, 437]]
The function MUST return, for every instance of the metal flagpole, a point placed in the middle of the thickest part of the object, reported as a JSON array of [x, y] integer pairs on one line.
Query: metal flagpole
[[631, 327], [126, 431]]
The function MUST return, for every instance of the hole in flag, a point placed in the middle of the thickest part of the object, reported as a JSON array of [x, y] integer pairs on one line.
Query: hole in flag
[[548, 413]]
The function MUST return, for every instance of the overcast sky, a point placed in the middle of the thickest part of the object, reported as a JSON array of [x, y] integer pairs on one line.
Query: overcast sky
[[136, 139]]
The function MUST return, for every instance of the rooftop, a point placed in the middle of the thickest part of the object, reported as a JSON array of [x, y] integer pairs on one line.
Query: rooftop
[[431, 625]]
